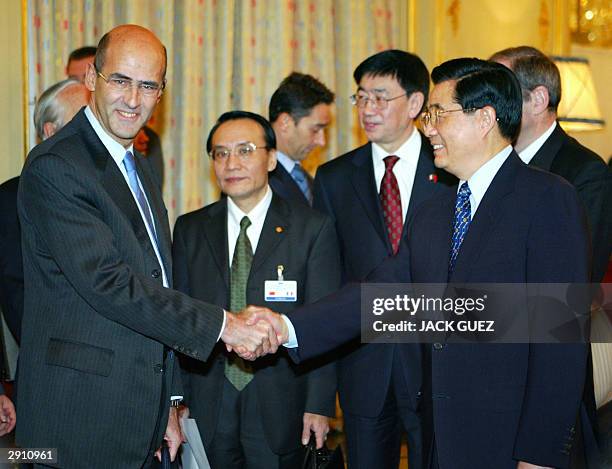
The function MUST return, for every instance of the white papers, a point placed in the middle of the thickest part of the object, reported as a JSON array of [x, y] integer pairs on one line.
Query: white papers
[[193, 455]]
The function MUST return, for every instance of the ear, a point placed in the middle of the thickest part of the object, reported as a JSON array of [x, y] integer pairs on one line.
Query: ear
[[49, 128], [285, 120], [487, 119], [415, 104], [540, 99], [271, 160], [90, 77]]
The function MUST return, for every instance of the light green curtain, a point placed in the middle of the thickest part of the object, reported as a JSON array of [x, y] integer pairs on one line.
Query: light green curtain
[[223, 55]]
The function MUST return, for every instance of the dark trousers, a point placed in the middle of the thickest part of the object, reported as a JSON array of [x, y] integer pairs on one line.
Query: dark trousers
[[374, 443], [239, 441]]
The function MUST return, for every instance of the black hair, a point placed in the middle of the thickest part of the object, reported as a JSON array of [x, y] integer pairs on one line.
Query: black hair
[[297, 95], [408, 69], [82, 53], [269, 135], [481, 83]]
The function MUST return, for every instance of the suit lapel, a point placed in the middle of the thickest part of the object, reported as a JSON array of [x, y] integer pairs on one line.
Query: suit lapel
[[425, 178], [275, 228], [288, 183], [158, 209], [113, 181], [364, 184], [544, 157], [488, 215], [215, 232]]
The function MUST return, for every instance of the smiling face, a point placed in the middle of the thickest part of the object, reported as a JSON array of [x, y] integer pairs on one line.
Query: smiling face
[[135, 53], [298, 140], [392, 126], [455, 137], [245, 181]]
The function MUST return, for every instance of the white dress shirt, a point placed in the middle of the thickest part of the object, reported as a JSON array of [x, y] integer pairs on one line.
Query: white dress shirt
[[404, 169], [529, 152], [117, 152], [482, 178], [257, 215]]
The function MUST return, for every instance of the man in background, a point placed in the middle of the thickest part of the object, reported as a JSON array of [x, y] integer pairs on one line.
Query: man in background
[[256, 414], [147, 141], [543, 143], [370, 193], [300, 111]]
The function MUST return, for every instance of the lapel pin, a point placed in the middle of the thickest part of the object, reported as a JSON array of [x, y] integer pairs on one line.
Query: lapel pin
[[433, 177], [278, 229]]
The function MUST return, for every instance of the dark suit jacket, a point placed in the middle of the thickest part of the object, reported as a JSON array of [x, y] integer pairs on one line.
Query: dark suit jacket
[[494, 404], [95, 377], [589, 174], [345, 189], [11, 265], [306, 246], [283, 184]]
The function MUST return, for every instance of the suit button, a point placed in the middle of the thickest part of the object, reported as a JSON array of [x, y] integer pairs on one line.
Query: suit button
[[158, 368], [438, 346], [155, 273]]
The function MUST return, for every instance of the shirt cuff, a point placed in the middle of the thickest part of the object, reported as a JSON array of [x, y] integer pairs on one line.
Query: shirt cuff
[[222, 325], [292, 341]]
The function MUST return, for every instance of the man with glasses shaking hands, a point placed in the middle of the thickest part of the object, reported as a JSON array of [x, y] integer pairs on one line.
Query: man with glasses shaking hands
[[97, 371], [371, 192]]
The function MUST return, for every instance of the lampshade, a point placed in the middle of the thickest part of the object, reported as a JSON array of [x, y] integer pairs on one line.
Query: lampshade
[[578, 110]]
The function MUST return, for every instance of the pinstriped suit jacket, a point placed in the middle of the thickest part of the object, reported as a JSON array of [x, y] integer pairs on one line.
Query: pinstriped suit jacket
[[94, 381]]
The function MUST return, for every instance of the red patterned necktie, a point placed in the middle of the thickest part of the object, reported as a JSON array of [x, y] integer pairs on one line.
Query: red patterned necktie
[[391, 203]]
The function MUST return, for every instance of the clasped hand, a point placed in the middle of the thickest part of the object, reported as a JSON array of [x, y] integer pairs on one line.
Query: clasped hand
[[254, 332]]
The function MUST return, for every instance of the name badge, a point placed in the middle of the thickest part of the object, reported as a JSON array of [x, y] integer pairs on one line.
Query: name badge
[[280, 290]]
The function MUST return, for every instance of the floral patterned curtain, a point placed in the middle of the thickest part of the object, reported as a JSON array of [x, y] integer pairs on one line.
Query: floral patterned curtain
[[222, 55]]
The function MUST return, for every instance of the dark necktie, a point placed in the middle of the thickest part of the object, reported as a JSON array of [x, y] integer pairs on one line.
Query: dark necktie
[[391, 203], [303, 181], [462, 223], [237, 371], [130, 165]]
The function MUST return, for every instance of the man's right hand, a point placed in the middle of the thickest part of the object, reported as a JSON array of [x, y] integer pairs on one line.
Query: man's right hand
[[256, 314], [249, 339]]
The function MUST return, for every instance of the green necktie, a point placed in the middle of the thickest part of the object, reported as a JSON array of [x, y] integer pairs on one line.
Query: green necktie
[[237, 371]]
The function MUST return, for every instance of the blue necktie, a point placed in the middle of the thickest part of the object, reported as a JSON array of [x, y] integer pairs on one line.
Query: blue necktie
[[301, 179], [462, 223], [130, 165]]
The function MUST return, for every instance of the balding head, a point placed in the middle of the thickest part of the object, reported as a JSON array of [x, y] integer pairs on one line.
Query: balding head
[[58, 105], [129, 35], [127, 80]]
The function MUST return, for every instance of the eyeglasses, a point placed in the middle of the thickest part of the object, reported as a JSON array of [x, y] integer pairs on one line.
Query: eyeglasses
[[244, 151], [122, 83], [433, 116], [379, 101]]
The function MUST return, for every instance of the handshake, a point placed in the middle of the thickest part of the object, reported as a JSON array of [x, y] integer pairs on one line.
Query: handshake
[[254, 331]]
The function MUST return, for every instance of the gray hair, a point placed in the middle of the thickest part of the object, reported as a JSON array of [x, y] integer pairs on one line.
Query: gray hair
[[47, 107]]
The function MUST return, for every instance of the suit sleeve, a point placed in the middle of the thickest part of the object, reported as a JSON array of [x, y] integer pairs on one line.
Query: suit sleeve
[[180, 279], [63, 209], [556, 372], [322, 278]]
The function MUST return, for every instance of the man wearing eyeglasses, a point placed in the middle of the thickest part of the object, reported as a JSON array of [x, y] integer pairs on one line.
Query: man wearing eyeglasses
[[254, 247], [97, 369], [371, 192]]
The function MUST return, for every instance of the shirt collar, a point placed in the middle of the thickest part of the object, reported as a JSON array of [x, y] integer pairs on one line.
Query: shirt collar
[[529, 152], [408, 152], [257, 213], [284, 160], [116, 150], [481, 179]]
